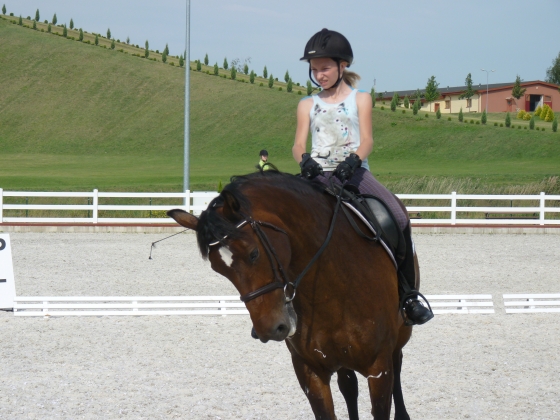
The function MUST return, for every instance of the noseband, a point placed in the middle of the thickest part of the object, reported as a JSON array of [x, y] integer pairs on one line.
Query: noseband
[[280, 277]]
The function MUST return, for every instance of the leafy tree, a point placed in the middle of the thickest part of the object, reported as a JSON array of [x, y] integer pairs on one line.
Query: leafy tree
[[37, 16], [81, 37], [270, 81], [96, 39], [181, 61], [246, 68], [290, 85], [49, 29], [469, 93], [113, 44], [147, 50], [20, 21], [415, 107], [532, 123], [287, 76], [233, 73], [205, 58], [108, 33], [216, 69], [555, 124], [553, 72], [54, 19], [432, 92], [226, 65], [483, 117], [265, 72], [71, 23], [461, 115], [406, 102], [517, 92], [309, 88], [394, 102], [127, 40], [252, 77], [4, 9], [508, 120], [372, 93], [438, 114], [64, 31], [164, 57]]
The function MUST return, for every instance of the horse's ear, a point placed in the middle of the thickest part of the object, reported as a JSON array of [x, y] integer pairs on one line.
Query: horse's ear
[[183, 218], [231, 206]]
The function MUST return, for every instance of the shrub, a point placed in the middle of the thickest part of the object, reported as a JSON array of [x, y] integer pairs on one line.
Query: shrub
[[164, 57], [415, 108], [555, 124], [280, 88], [71, 23], [64, 32], [404, 111], [181, 61], [205, 57], [157, 51], [448, 118], [525, 128], [252, 77], [501, 124], [172, 64], [54, 19], [261, 84], [289, 87], [472, 121], [519, 127], [527, 116], [483, 117], [225, 65], [109, 35], [438, 114], [46, 22], [199, 67], [265, 73], [287, 76], [113, 44], [233, 72], [299, 92], [495, 124], [508, 120], [81, 37], [532, 123], [37, 16], [549, 115], [309, 88], [477, 122], [521, 114], [427, 115], [542, 128], [461, 115], [270, 81], [216, 69], [20, 21], [382, 108], [96, 42], [35, 25], [406, 102], [538, 111]]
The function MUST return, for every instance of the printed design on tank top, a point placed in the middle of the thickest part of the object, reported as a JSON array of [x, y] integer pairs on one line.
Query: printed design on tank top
[[333, 139]]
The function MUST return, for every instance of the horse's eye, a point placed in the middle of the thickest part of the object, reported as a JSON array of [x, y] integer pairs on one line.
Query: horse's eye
[[254, 255]]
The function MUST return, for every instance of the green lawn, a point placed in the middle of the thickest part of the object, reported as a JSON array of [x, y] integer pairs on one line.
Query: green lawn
[[76, 117]]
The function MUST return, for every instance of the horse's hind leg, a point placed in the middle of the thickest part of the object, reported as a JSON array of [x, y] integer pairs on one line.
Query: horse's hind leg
[[398, 399], [348, 385], [317, 389]]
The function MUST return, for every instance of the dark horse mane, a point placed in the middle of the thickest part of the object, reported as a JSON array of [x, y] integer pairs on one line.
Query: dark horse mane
[[213, 226]]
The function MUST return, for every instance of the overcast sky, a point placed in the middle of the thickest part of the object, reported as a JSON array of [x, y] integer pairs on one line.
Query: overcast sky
[[399, 44]]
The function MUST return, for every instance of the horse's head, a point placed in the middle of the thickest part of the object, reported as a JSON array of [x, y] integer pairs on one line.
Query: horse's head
[[251, 250]]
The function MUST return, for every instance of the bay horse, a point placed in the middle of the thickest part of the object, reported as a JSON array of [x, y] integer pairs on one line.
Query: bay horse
[[261, 232]]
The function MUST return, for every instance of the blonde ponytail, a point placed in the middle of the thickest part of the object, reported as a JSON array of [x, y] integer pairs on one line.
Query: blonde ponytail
[[351, 78]]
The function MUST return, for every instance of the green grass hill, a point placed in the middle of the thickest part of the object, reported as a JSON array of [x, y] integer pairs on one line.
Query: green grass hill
[[75, 116]]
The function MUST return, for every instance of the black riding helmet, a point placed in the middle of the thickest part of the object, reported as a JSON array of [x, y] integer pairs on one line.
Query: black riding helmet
[[330, 44]]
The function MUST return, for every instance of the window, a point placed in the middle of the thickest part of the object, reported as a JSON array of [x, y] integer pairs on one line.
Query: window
[[448, 104], [469, 103]]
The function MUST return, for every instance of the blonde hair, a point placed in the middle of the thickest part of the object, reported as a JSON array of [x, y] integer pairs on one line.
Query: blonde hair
[[351, 78]]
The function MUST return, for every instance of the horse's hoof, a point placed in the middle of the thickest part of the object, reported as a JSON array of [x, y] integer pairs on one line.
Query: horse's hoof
[[254, 334]]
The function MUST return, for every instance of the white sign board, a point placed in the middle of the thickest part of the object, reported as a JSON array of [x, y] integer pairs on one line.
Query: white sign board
[[7, 284]]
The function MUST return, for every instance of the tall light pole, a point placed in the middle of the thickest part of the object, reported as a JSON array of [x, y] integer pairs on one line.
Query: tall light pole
[[186, 162], [487, 87]]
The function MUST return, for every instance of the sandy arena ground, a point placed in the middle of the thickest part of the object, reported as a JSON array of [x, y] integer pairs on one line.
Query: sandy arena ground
[[494, 366]]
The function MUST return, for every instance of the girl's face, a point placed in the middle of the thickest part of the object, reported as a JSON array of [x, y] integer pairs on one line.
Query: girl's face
[[325, 71]]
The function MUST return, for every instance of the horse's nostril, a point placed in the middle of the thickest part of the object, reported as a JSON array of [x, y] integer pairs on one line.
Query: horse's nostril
[[281, 328]]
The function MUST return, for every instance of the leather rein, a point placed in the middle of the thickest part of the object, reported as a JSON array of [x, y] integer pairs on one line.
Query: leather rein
[[280, 277]]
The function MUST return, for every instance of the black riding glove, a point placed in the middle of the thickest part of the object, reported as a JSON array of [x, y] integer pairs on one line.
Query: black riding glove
[[310, 168], [346, 169]]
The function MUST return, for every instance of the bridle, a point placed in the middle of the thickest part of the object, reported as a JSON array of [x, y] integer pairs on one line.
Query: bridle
[[280, 277]]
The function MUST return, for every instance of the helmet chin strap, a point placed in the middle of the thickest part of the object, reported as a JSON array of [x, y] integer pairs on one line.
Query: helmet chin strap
[[337, 82]]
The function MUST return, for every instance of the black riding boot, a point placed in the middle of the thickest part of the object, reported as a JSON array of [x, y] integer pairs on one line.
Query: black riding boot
[[416, 313]]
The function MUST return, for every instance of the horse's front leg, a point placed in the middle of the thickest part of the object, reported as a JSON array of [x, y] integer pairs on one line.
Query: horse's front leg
[[316, 385], [380, 381]]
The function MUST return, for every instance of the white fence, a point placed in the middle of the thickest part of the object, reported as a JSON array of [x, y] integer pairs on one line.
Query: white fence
[[195, 202]]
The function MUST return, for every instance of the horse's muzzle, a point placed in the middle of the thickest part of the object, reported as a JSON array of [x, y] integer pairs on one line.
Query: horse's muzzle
[[282, 329]]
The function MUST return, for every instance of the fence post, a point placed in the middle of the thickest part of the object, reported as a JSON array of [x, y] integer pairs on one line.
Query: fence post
[[542, 208], [1, 205], [188, 201], [95, 212], [453, 207]]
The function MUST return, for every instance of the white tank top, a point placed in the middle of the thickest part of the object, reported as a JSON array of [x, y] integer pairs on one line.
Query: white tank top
[[335, 131]]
